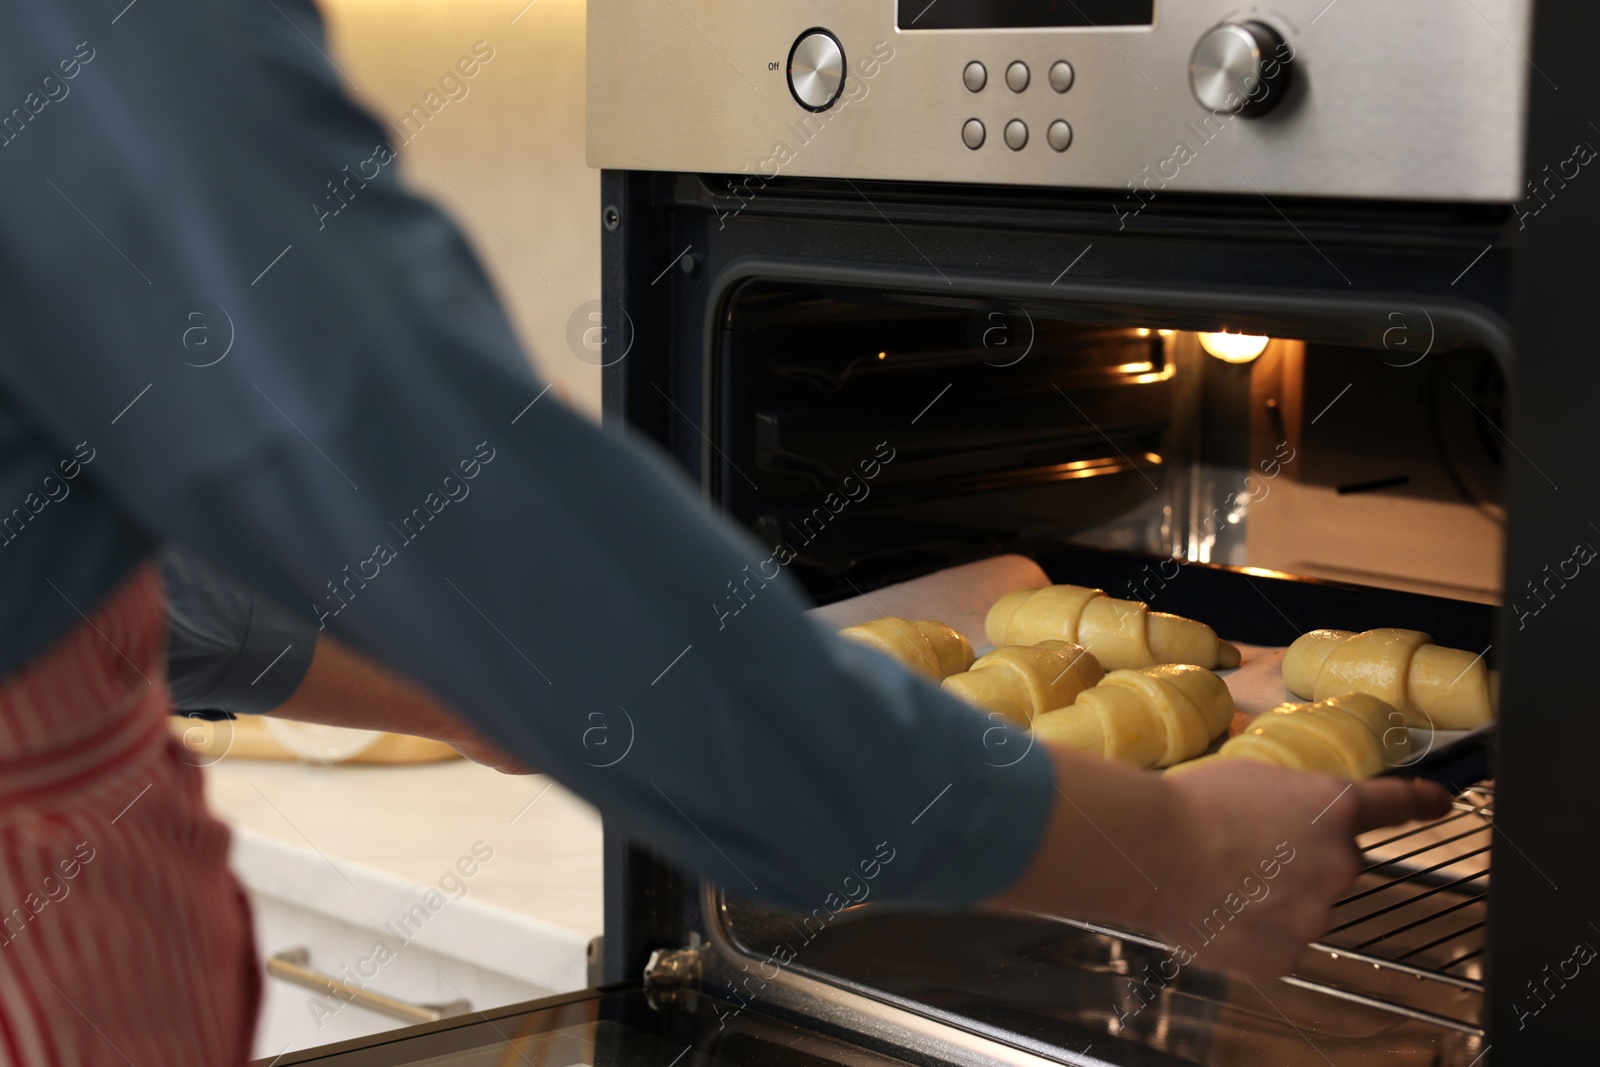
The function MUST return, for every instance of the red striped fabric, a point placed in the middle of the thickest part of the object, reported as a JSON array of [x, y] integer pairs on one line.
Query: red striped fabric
[[123, 936]]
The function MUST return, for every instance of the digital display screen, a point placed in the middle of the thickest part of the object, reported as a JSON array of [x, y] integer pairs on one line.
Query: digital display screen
[[1023, 14]]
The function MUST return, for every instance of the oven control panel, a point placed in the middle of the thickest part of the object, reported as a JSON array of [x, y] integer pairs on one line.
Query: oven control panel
[[1135, 96], [1018, 79]]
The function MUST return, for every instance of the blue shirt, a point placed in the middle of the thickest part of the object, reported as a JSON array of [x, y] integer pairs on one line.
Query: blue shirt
[[335, 411], [229, 651]]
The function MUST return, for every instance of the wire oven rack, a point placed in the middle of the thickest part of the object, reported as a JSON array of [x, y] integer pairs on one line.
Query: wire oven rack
[[1417, 914]]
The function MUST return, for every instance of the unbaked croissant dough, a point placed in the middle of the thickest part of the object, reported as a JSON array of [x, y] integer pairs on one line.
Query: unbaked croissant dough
[[1153, 717], [930, 648], [1431, 686], [1122, 634], [1021, 681], [1353, 737]]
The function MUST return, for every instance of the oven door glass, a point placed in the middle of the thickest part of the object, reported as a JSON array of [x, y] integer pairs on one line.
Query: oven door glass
[[619, 1029]]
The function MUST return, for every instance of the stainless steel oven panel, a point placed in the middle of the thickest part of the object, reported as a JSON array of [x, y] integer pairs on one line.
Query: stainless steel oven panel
[[1422, 100]]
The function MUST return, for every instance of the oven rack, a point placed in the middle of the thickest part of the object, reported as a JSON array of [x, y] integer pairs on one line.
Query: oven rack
[[1419, 910]]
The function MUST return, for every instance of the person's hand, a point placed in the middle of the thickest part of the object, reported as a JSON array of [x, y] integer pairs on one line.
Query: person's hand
[[1268, 851], [478, 750], [1236, 864]]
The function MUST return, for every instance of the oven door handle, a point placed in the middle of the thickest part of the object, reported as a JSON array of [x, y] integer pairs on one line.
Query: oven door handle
[[294, 966]]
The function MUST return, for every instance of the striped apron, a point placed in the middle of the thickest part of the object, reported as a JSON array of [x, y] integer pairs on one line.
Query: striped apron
[[123, 936]]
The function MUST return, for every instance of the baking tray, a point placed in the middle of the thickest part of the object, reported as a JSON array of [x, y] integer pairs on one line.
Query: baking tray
[[961, 597]]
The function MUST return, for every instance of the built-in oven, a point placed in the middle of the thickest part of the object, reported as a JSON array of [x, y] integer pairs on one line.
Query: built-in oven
[[1272, 316]]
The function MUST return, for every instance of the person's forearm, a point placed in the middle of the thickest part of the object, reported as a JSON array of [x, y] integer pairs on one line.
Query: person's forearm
[[1115, 836], [345, 688]]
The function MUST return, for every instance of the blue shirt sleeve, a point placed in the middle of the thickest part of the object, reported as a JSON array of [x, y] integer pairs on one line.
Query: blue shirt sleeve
[[355, 439], [230, 651]]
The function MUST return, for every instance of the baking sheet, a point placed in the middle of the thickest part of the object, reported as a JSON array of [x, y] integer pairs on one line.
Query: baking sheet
[[960, 597]]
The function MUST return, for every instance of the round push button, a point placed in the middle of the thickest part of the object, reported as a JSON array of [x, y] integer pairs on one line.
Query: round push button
[[1017, 76], [816, 70], [1061, 76], [973, 134], [975, 77], [1059, 135], [1016, 135]]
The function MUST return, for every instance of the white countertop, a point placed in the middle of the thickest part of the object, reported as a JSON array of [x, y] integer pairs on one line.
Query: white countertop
[[364, 842]]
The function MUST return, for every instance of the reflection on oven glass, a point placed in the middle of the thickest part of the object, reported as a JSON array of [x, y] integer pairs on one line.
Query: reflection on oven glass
[[624, 1029], [597, 1044]]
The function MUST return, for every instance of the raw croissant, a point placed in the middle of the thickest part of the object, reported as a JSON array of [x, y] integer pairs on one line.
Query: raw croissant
[[1429, 685], [930, 648], [1122, 634], [1021, 681], [1153, 717], [1353, 737]]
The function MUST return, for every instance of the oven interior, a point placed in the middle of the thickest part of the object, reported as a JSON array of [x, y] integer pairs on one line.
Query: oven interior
[[1030, 426], [1265, 472]]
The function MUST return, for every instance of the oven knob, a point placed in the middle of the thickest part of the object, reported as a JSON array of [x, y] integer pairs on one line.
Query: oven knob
[[816, 70], [1240, 67]]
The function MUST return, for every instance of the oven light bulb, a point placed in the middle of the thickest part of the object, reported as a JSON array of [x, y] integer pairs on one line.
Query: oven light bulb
[[883, 355], [1234, 347]]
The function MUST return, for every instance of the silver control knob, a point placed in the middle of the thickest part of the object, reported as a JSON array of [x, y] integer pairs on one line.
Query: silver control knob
[[1241, 67], [816, 70]]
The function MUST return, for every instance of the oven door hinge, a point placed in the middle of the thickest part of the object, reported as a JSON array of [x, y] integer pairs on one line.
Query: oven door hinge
[[675, 968]]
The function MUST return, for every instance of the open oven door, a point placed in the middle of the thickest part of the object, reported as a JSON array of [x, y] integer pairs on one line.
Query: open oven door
[[631, 1027], [612, 1027], [628, 1027]]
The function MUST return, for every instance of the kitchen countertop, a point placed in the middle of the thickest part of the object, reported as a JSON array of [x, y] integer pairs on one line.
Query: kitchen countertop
[[360, 840]]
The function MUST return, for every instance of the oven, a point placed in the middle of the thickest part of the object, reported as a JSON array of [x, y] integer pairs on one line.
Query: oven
[[1268, 316]]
